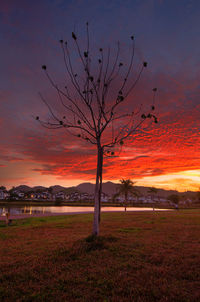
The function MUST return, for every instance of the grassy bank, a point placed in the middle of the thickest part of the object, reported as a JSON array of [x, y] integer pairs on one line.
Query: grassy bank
[[139, 257], [22, 203]]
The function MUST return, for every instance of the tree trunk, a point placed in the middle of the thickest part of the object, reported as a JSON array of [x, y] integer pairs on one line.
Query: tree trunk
[[125, 202], [100, 181], [152, 199], [97, 192]]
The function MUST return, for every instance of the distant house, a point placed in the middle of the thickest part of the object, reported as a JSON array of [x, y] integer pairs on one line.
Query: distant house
[[142, 199], [73, 196], [133, 198], [161, 199], [41, 195], [77, 196], [3, 194], [145, 199], [86, 197], [44, 195], [60, 195], [119, 199], [21, 194], [18, 194], [104, 197], [186, 201]]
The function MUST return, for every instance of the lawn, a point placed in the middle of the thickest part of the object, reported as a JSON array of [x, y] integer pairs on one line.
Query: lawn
[[139, 257]]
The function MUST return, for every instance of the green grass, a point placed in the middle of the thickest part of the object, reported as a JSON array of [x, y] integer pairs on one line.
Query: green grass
[[139, 257], [130, 230]]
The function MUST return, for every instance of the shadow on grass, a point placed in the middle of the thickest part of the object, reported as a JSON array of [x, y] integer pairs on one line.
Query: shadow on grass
[[92, 243], [84, 246]]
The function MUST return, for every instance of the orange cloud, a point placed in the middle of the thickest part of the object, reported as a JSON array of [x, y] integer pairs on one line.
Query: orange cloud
[[171, 146]]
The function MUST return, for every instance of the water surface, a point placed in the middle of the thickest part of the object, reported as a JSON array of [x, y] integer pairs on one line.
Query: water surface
[[29, 210]]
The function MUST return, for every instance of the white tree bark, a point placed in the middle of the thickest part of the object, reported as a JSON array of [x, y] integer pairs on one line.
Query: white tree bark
[[97, 193]]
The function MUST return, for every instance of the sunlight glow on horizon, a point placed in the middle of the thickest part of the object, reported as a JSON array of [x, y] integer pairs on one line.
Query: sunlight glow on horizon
[[181, 181]]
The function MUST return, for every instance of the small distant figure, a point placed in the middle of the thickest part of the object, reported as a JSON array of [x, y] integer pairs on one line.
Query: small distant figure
[[7, 217], [8, 221], [3, 212]]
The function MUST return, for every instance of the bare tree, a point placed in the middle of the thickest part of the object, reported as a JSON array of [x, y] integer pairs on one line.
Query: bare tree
[[92, 99]]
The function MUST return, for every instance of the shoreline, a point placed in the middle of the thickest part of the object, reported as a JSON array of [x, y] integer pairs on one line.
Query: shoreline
[[25, 216]]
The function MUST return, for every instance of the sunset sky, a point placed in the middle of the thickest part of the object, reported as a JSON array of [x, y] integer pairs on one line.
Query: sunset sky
[[167, 35]]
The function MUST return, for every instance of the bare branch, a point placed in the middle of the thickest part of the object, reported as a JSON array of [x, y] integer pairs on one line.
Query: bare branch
[[130, 65], [72, 101], [49, 107], [115, 63], [89, 114], [135, 83]]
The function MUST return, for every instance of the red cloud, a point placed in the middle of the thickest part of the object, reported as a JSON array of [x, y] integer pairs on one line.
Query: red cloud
[[170, 146]]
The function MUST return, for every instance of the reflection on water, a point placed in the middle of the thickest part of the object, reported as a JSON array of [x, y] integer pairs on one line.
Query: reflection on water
[[65, 209]]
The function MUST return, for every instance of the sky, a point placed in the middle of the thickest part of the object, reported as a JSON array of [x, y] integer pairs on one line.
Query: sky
[[164, 155]]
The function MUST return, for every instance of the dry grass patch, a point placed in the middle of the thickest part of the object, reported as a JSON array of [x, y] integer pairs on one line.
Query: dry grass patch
[[140, 257]]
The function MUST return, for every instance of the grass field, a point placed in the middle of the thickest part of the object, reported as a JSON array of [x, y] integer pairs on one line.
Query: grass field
[[138, 257]]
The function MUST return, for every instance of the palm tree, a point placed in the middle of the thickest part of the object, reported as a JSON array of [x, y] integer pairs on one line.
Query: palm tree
[[174, 198], [50, 191], [126, 188], [152, 192]]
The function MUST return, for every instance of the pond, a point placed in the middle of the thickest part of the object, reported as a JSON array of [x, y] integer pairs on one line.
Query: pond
[[30, 210]]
